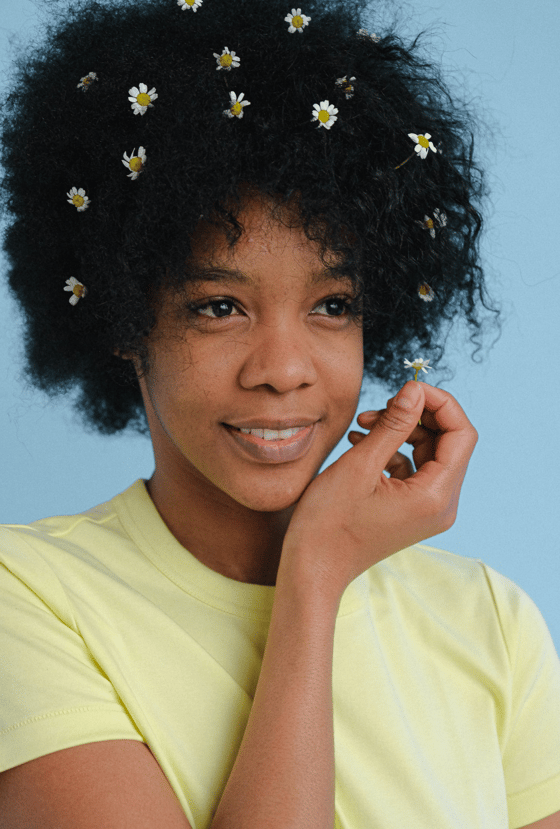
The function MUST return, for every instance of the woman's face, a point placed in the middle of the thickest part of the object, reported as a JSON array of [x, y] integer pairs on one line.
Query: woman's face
[[262, 341]]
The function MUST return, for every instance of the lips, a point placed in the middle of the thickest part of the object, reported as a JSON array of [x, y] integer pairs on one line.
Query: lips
[[273, 451]]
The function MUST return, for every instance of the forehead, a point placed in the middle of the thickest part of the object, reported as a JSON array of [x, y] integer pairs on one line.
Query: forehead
[[267, 238]]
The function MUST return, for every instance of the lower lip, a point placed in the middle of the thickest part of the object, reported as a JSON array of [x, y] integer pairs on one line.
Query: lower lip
[[274, 451]]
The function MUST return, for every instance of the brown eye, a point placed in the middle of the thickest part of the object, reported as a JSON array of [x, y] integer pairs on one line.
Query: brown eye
[[335, 306], [215, 309]]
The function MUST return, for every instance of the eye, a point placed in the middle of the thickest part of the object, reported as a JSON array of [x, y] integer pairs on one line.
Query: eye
[[336, 306], [215, 309]]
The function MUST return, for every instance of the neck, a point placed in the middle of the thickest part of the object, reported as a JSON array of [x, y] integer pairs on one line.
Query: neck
[[222, 534]]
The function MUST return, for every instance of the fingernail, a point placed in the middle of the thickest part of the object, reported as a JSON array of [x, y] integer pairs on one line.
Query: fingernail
[[408, 396]]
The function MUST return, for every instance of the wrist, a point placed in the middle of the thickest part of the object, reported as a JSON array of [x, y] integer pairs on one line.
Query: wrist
[[299, 575]]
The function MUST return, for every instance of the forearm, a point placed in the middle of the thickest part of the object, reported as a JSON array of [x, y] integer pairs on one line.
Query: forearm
[[283, 777]]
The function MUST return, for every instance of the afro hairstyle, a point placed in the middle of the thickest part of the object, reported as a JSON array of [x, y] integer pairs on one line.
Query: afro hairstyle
[[362, 188]]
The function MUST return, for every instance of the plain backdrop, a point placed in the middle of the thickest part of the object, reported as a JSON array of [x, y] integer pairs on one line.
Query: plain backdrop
[[504, 54]]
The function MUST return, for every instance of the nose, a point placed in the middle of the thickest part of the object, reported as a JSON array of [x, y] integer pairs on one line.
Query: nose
[[280, 357]]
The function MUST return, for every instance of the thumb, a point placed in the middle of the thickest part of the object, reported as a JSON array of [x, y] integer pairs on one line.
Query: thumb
[[396, 423]]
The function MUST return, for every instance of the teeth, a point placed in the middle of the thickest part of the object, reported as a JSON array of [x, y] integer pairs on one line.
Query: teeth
[[271, 434]]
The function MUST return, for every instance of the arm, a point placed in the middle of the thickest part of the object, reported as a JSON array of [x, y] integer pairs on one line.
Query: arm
[[349, 518], [283, 777]]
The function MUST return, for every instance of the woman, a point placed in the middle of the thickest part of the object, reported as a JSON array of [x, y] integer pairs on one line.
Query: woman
[[223, 215]]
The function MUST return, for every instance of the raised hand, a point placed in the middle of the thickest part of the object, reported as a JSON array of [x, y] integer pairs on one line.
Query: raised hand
[[352, 516]]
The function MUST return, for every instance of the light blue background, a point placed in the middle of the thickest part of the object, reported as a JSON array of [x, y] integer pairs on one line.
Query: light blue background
[[506, 55]]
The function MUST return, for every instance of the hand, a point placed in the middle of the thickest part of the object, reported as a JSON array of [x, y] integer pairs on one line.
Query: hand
[[352, 516]]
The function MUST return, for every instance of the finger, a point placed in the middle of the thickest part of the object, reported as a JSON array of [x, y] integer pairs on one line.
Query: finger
[[446, 437], [389, 430], [399, 466], [444, 451]]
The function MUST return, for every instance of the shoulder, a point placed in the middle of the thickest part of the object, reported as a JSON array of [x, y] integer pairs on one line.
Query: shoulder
[[73, 534], [427, 585], [48, 558]]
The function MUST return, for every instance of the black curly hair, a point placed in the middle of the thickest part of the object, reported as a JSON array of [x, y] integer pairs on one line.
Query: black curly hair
[[355, 197]]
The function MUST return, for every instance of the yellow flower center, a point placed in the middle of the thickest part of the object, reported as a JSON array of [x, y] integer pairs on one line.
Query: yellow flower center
[[237, 108], [136, 164], [323, 116], [423, 141], [78, 290], [297, 21], [77, 201], [429, 223], [86, 81], [190, 2], [143, 99], [423, 290], [226, 60]]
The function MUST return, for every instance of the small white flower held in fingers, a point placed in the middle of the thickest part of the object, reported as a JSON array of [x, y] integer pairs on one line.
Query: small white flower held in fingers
[[78, 198], [297, 21], [346, 85], [78, 290], [325, 114], [227, 60], [418, 365], [87, 81], [236, 107], [190, 4], [423, 143], [140, 99], [135, 163]]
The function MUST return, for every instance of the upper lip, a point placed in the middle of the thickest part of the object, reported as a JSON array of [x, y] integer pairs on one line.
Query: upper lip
[[274, 425]]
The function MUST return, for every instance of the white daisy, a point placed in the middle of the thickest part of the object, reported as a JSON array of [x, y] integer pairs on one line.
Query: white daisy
[[347, 85], [79, 199], [190, 4], [365, 33], [140, 99], [417, 365], [297, 21], [440, 219], [134, 162], [423, 143], [325, 114], [236, 107], [426, 293], [78, 290], [227, 60], [87, 80]]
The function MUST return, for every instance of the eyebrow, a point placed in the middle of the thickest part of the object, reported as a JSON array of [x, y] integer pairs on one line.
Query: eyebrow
[[221, 274]]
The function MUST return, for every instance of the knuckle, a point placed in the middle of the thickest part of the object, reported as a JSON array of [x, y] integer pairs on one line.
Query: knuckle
[[395, 420]]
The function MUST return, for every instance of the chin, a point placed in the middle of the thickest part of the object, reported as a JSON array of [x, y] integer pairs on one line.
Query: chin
[[270, 499]]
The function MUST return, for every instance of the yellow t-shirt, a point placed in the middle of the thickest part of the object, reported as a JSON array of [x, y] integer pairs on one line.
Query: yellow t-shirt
[[446, 683]]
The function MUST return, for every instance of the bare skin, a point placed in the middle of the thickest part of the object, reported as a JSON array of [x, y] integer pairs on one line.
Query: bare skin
[[280, 354], [272, 349]]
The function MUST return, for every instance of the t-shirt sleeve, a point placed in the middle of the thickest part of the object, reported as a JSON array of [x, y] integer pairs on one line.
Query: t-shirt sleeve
[[531, 746], [53, 695]]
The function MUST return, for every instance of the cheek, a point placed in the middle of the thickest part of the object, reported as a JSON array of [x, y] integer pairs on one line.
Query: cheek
[[347, 367], [183, 383]]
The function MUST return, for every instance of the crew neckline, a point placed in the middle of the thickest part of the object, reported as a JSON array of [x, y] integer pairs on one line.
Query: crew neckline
[[145, 526]]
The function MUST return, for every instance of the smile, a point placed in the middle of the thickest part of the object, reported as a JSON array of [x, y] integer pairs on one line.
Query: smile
[[271, 434], [271, 446]]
